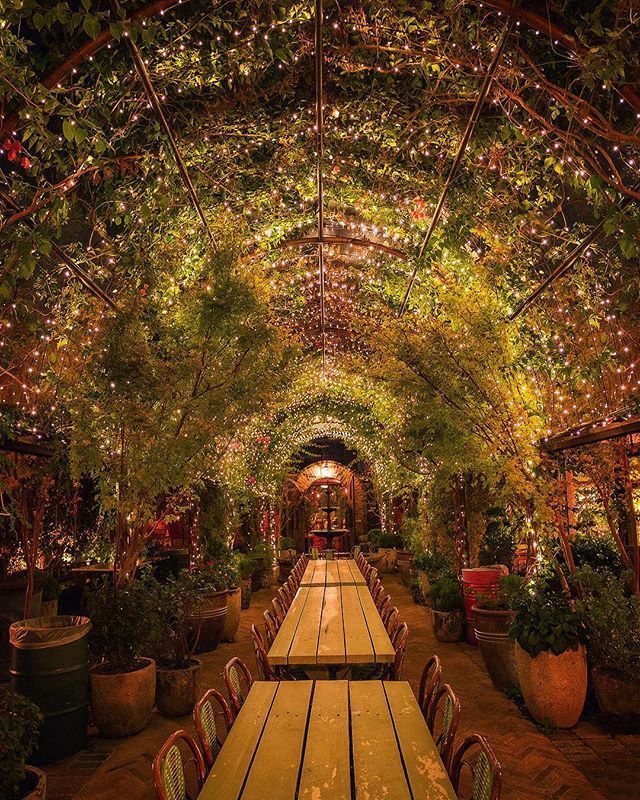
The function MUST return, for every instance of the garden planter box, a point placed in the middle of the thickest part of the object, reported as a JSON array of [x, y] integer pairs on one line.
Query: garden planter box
[[554, 687], [478, 581], [614, 694], [447, 625], [232, 617], [122, 702], [497, 648], [177, 689], [208, 626], [34, 786]]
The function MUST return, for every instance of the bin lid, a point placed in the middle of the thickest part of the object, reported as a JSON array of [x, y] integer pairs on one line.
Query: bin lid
[[42, 632]]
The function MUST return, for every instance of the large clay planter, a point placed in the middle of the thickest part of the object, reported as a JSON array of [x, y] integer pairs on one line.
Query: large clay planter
[[497, 648], [404, 560], [232, 618], [208, 625], [447, 625], [245, 593], [479, 582], [554, 687], [35, 784], [177, 689], [614, 694], [122, 702], [387, 562]]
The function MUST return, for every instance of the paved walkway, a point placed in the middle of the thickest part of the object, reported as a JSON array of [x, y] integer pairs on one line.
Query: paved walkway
[[584, 764]]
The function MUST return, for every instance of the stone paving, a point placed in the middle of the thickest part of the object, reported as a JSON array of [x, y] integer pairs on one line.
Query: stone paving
[[589, 762]]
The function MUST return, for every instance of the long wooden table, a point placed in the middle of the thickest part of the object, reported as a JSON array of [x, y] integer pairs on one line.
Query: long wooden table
[[306, 740], [332, 573], [329, 626]]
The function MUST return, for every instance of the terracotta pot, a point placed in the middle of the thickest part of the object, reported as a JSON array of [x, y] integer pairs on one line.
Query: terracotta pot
[[404, 560], [497, 648], [232, 618], [207, 626], [477, 581], [122, 701], [615, 694], [34, 784], [447, 625], [387, 561], [177, 689], [285, 565], [245, 593], [554, 687]]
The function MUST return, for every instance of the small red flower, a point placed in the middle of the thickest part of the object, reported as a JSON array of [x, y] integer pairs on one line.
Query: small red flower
[[25, 163]]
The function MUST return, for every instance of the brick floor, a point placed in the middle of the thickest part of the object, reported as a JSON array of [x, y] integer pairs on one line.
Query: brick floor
[[591, 762]]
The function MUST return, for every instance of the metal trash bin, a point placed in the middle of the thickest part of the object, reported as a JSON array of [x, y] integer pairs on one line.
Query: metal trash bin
[[49, 664]]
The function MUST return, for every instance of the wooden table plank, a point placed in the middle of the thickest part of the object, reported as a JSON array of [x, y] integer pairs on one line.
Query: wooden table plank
[[307, 575], [304, 645], [333, 573], [320, 574], [358, 645], [326, 772], [426, 773], [229, 769], [331, 641], [279, 651], [382, 646], [356, 573], [276, 766], [377, 766]]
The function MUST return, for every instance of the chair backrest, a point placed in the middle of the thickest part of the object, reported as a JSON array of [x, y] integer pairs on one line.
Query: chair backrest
[[265, 673], [168, 767], [314, 553], [446, 707], [486, 776], [328, 554], [372, 577], [279, 611], [355, 552], [270, 626], [377, 589], [392, 621], [429, 683], [399, 642], [210, 705], [236, 673], [284, 595], [383, 603]]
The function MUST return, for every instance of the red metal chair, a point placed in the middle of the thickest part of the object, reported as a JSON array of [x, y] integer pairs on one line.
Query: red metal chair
[[486, 776], [399, 642], [385, 603], [372, 577], [207, 727], [377, 593], [284, 594], [429, 683], [168, 768], [392, 621], [271, 626], [279, 611], [445, 708], [236, 672], [265, 673]]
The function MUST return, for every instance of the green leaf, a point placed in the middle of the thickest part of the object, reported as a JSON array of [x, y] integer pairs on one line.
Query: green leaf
[[91, 25], [69, 130]]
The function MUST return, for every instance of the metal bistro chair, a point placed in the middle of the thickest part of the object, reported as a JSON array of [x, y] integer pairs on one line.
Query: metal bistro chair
[[265, 673], [168, 768], [270, 626], [279, 611], [355, 552], [446, 706], [313, 555], [486, 775], [392, 621], [399, 642], [372, 577], [429, 683], [207, 727], [284, 595], [237, 693], [377, 589], [385, 603]]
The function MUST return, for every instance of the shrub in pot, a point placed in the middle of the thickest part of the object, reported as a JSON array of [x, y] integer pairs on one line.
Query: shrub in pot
[[19, 723], [234, 601], [246, 567], [207, 623], [123, 681], [550, 653], [177, 672], [431, 565], [446, 609], [612, 620], [389, 546], [498, 544], [492, 621]]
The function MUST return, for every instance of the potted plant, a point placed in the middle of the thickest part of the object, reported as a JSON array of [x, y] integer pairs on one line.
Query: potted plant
[[431, 565], [612, 620], [389, 550], [446, 609], [177, 672], [19, 723], [123, 681], [498, 544], [50, 595], [246, 567], [263, 556], [492, 621], [234, 600], [550, 653], [206, 624]]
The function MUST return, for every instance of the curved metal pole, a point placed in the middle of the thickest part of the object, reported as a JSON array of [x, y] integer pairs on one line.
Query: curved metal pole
[[319, 173]]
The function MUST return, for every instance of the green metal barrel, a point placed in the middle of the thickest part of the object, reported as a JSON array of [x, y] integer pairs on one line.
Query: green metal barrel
[[49, 664]]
